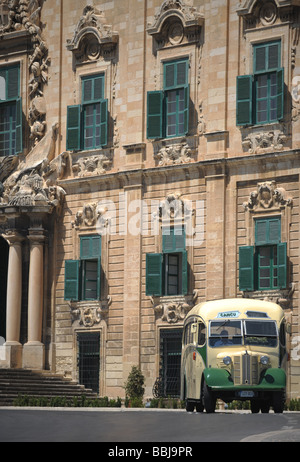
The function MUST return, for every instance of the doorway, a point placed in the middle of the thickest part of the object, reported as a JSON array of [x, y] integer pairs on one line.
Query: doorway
[[170, 359], [88, 359]]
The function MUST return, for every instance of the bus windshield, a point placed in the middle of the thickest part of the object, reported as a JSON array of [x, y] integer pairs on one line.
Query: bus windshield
[[261, 333], [225, 332]]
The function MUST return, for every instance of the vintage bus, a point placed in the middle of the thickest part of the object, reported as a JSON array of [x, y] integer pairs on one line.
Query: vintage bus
[[234, 349]]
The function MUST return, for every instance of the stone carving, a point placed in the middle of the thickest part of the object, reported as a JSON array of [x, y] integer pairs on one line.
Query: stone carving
[[87, 216], [25, 15], [264, 14], [7, 165], [256, 143], [173, 309], [176, 21], [89, 313], [268, 196], [281, 297], [172, 154], [93, 37], [90, 166], [172, 312]]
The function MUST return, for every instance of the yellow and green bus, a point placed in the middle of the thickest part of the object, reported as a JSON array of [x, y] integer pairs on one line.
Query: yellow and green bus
[[234, 349]]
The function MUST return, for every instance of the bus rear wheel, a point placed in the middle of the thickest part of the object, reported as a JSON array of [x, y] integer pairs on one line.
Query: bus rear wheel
[[189, 406], [209, 400]]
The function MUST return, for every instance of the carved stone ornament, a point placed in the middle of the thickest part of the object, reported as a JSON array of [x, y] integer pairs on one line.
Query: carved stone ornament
[[34, 181], [89, 313], [20, 15], [173, 309], [91, 166], [171, 153], [263, 142], [93, 37], [176, 21], [281, 297], [268, 196], [87, 216], [258, 13]]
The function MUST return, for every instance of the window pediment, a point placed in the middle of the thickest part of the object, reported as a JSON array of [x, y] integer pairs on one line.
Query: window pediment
[[176, 22], [93, 38]]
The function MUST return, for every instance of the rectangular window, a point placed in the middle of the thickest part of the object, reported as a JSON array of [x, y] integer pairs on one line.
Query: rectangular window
[[82, 277], [260, 95], [264, 266], [10, 111], [168, 110], [87, 123], [166, 272]]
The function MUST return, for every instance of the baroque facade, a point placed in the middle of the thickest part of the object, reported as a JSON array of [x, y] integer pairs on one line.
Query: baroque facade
[[120, 120]]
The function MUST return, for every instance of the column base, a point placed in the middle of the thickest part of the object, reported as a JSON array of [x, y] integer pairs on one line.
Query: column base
[[11, 355], [34, 356]]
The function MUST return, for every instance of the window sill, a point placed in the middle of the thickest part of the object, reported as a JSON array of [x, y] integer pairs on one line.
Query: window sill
[[282, 297]]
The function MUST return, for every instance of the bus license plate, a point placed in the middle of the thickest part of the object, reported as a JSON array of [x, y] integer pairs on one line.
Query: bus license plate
[[246, 394]]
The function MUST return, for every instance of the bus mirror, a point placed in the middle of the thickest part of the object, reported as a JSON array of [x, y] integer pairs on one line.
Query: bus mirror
[[194, 328], [288, 328]]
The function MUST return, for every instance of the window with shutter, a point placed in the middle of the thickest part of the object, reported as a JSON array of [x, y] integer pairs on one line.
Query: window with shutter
[[11, 125], [264, 266], [87, 123], [260, 98], [167, 273], [82, 277], [168, 109]]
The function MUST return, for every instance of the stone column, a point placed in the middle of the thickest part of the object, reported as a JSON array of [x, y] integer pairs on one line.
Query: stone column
[[34, 350], [13, 301]]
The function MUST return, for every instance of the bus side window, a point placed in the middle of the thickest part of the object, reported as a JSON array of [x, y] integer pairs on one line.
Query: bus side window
[[201, 334], [189, 333]]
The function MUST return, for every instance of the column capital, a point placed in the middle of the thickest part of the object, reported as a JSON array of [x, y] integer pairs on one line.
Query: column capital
[[13, 237], [36, 236]]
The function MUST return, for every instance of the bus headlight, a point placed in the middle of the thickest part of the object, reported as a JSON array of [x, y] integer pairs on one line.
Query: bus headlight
[[264, 360], [227, 360]]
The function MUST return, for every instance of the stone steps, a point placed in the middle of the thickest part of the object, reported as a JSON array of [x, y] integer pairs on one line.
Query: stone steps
[[15, 382]]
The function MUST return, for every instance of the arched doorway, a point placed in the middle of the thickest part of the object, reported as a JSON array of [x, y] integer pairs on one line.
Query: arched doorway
[[4, 248]]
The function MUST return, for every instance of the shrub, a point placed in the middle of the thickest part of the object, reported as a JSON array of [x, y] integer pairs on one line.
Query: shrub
[[134, 386]]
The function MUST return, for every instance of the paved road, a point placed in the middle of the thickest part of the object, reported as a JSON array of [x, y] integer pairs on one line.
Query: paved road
[[123, 426]]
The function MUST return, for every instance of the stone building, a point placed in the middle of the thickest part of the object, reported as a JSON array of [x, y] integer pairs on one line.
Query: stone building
[[122, 119]]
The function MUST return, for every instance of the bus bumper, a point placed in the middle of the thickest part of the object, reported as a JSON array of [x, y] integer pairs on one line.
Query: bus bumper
[[270, 380]]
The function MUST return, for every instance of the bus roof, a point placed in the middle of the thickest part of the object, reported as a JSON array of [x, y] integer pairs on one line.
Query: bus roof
[[235, 308]]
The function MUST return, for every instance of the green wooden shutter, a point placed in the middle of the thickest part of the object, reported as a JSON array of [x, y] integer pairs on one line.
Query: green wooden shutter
[[173, 240], [72, 279], [186, 108], [155, 114], [73, 127], [13, 83], [274, 230], [282, 265], [19, 126], [99, 279], [246, 268], [154, 274], [103, 121], [184, 273], [261, 232], [92, 88], [182, 73], [169, 75], [90, 247], [267, 231], [280, 93], [244, 100]]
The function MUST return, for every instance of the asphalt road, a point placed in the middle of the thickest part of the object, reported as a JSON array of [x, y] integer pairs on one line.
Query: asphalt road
[[147, 425]]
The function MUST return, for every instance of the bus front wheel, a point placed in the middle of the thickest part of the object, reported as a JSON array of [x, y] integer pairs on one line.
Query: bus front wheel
[[209, 399], [278, 402]]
